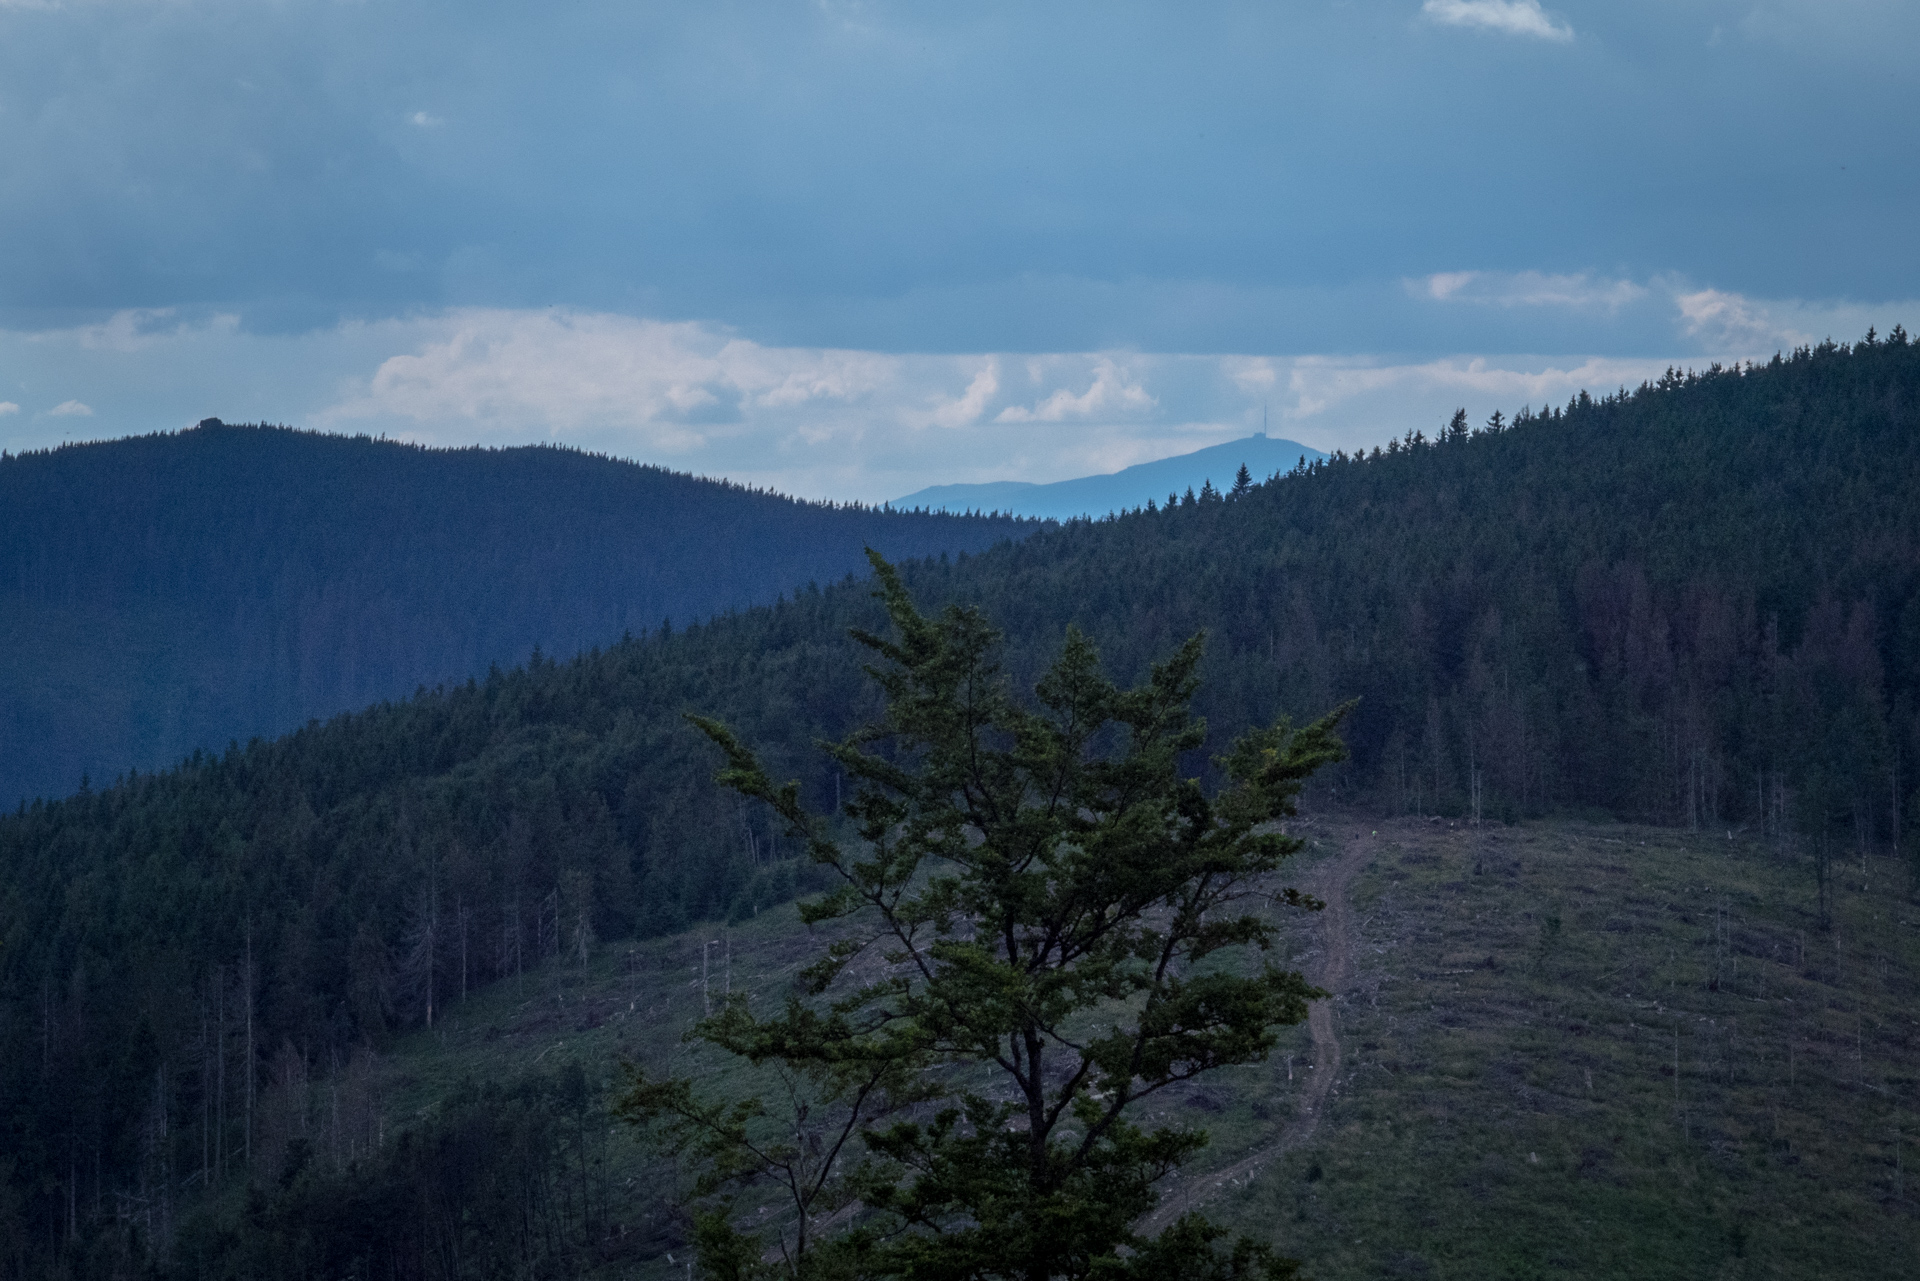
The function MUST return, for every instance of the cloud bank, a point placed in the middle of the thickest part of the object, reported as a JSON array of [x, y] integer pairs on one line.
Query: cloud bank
[[846, 423]]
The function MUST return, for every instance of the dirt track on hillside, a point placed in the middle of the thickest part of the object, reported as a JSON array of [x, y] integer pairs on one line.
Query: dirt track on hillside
[[1332, 970]]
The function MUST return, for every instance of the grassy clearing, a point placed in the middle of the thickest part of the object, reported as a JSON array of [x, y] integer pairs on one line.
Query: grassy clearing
[[1568, 1050], [632, 1002], [1596, 1050]]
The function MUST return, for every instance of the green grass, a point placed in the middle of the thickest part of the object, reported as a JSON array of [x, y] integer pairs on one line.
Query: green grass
[[1507, 1105]]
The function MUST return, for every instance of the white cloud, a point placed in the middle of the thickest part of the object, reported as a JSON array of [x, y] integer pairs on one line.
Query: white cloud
[[70, 409], [1527, 289], [812, 421], [779, 377], [422, 120], [1705, 322], [1735, 322], [1443, 285], [970, 404], [1515, 17], [1743, 327], [8, 407], [1321, 385], [669, 386], [1113, 391]]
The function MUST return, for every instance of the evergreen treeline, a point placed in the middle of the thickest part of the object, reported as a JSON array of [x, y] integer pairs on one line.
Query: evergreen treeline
[[181, 590], [1696, 603], [500, 1181]]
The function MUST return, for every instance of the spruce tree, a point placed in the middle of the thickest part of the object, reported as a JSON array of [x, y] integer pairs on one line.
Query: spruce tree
[[1042, 922]]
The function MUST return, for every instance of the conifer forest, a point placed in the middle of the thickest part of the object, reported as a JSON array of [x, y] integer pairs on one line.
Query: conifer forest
[[350, 969]]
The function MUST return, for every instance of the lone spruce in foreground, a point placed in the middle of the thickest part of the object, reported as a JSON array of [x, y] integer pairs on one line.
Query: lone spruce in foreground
[[1045, 925]]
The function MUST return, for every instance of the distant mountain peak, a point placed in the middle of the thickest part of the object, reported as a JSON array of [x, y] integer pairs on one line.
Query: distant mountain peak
[[1127, 488]]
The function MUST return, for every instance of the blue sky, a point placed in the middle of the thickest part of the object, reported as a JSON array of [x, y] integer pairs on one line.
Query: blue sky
[[850, 249]]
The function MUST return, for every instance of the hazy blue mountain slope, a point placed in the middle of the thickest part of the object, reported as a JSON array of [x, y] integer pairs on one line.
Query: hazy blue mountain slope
[[1122, 490], [178, 590]]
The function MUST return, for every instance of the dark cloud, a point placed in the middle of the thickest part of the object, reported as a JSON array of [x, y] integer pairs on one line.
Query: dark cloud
[[904, 177]]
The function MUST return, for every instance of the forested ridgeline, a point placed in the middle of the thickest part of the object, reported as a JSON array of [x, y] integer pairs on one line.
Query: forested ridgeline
[[181, 590], [1696, 603]]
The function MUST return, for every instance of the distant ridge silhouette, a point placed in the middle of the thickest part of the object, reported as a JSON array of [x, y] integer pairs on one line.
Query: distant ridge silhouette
[[1128, 488]]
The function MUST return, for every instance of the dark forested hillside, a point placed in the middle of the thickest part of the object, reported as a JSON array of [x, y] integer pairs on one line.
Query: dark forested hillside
[[181, 590], [1697, 603]]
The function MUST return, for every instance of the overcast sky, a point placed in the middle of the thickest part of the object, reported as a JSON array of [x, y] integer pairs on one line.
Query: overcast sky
[[851, 249]]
